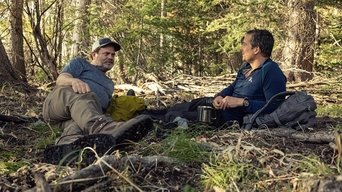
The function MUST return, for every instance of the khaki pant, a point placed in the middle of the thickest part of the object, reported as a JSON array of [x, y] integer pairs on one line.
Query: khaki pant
[[77, 114]]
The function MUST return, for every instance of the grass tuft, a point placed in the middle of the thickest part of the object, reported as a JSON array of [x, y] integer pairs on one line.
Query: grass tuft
[[227, 172], [329, 110], [48, 134], [313, 165], [244, 167], [181, 146], [10, 167]]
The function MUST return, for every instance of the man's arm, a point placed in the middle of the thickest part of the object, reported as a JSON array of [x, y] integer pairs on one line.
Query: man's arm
[[77, 85], [221, 99]]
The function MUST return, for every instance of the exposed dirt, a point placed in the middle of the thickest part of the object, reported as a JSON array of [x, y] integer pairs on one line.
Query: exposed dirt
[[18, 143]]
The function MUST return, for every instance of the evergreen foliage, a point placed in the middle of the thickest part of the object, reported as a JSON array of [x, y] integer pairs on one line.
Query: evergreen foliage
[[171, 37]]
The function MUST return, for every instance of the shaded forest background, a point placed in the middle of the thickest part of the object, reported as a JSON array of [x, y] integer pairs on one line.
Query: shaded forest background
[[166, 37], [193, 48]]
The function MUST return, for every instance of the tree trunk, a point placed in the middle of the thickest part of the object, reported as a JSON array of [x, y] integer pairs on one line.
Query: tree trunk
[[298, 52], [7, 73], [18, 60], [58, 32], [121, 72], [234, 61], [35, 17], [162, 16], [81, 34], [199, 66]]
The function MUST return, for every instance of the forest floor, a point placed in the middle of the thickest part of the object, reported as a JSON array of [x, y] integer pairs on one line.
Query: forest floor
[[262, 161]]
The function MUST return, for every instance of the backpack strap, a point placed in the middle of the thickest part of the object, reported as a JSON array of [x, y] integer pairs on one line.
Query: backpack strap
[[257, 113]]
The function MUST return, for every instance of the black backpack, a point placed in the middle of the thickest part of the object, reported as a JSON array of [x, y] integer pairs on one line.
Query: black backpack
[[297, 111]]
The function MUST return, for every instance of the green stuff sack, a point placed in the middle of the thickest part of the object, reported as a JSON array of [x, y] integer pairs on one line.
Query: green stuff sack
[[123, 108]]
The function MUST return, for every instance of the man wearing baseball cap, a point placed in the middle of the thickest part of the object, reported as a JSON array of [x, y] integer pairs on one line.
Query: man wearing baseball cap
[[79, 101]]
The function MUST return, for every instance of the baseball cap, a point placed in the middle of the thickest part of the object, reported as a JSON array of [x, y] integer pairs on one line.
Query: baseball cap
[[104, 42]]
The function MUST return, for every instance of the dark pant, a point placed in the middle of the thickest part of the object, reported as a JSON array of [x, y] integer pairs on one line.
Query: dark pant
[[233, 114]]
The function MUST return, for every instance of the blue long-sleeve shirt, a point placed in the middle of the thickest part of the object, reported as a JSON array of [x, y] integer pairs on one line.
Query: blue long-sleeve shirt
[[259, 87]]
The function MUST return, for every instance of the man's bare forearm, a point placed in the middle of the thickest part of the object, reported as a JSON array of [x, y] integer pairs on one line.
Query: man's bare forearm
[[65, 79], [77, 85]]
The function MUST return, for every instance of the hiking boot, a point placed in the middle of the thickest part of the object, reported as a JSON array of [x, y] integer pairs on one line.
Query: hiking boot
[[134, 129], [69, 153]]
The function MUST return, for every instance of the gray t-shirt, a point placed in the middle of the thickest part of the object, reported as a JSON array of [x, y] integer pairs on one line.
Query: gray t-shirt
[[97, 80]]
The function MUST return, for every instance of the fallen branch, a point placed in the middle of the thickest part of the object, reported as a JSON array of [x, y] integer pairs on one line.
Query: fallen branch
[[94, 173], [100, 168], [312, 137], [17, 119], [305, 84]]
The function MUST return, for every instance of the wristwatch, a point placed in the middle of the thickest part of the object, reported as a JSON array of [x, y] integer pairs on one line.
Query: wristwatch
[[245, 102]]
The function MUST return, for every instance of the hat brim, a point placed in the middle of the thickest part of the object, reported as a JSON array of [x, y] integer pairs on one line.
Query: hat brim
[[116, 46]]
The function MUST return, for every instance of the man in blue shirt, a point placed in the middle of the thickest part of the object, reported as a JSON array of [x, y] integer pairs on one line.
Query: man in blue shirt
[[82, 94], [256, 82]]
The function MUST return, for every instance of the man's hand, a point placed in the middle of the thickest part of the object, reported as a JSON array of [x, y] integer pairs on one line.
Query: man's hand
[[227, 102], [79, 86], [217, 102]]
